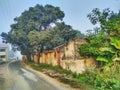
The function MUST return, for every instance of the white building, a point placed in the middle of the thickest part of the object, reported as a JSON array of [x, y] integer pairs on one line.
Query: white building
[[4, 49]]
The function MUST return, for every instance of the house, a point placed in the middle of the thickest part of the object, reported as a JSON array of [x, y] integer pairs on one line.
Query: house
[[69, 50], [66, 51], [67, 56], [4, 52]]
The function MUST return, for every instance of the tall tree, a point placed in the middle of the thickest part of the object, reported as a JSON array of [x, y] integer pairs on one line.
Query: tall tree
[[37, 18], [52, 37]]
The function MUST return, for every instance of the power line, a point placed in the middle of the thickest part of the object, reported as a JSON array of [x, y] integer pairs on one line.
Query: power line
[[5, 9]]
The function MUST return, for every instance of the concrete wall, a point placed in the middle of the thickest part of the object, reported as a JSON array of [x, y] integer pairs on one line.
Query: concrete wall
[[78, 65], [74, 65], [67, 56], [35, 58], [71, 49]]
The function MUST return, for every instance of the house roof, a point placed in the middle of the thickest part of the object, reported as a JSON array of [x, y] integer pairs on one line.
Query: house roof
[[68, 42], [48, 51], [59, 46]]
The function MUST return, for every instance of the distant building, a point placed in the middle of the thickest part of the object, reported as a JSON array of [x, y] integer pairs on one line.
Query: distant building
[[4, 49]]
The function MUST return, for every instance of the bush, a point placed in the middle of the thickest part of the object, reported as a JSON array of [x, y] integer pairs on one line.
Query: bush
[[106, 80]]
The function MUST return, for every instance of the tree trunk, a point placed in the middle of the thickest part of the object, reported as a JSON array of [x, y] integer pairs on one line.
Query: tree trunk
[[32, 57], [29, 57], [39, 53], [38, 61]]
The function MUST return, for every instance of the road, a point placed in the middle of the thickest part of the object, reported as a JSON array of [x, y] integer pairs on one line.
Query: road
[[13, 76]]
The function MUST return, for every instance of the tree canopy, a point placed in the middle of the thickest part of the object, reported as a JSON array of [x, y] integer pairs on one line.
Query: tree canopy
[[37, 18], [34, 30]]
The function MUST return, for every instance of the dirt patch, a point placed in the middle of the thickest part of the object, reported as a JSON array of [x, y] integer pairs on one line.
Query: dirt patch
[[61, 77]]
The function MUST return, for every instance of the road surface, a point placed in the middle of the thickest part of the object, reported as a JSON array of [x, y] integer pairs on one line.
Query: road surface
[[13, 76]]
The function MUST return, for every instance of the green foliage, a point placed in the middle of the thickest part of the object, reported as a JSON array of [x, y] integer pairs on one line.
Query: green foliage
[[107, 80], [91, 79], [33, 30], [92, 47], [115, 41], [78, 34], [24, 34], [53, 36], [65, 76], [6, 38], [103, 59], [105, 45]]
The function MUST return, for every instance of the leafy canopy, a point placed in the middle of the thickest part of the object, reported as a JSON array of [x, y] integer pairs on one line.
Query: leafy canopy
[[105, 45]]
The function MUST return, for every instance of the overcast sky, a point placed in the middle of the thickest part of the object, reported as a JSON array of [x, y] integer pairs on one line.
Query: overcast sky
[[75, 11]]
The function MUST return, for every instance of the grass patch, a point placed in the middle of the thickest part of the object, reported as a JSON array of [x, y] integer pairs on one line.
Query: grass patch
[[91, 79], [65, 76]]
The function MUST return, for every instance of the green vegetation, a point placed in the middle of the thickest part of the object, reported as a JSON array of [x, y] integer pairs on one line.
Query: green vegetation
[[42, 28], [91, 79], [104, 47], [39, 28], [65, 76]]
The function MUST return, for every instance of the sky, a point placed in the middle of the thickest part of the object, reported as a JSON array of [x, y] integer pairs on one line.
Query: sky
[[75, 11]]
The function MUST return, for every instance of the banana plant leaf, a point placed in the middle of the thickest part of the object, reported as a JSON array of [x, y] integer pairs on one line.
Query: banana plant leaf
[[100, 58], [116, 59], [115, 41], [109, 49]]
